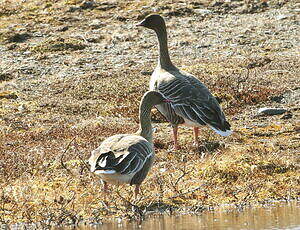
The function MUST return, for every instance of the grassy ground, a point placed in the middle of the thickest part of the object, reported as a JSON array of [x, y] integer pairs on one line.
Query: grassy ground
[[72, 73]]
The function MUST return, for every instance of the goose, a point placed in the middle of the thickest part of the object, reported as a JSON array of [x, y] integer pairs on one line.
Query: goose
[[127, 158], [192, 104]]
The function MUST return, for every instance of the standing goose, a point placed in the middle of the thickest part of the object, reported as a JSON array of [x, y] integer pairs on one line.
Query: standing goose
[[192, 103], [127, 158]]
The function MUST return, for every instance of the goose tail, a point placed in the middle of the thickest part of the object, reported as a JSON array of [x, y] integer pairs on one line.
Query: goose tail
[[222, 133], [225, 131]]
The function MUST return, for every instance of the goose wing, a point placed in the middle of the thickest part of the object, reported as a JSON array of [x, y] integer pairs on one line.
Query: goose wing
[[123, 154], [193, 101]]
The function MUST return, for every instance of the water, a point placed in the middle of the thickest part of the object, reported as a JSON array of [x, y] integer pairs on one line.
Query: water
[[278, 215]]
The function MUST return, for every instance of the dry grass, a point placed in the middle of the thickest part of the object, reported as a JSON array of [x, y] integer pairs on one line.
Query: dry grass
[[73, 74]]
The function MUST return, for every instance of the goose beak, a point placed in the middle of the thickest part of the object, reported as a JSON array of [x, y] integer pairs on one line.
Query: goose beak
[[142, 23]]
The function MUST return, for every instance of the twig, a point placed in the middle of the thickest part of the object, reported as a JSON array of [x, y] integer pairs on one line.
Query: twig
[[184, 173], [78, 153], [62, 155], [64, 201], [191, 191], [136, 209], [124, 199]]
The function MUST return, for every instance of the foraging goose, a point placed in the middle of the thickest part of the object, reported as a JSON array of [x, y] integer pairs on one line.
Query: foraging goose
[[192, 103], [127, 158]]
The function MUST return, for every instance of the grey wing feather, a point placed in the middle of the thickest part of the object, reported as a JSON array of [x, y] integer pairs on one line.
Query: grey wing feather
[[193, 101], [139, 177], [169, 113], [135, 158]]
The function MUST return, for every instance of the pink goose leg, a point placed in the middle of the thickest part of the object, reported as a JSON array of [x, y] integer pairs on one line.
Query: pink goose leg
[[196, 134], [175, 137]]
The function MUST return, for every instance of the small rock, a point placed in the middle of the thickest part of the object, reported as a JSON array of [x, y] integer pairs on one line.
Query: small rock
[[202, 11], [201, 46], [87, 5], [184, 43], [146, 73], [216, 3], [258, 62], [271, 111], [121, 18], [19, 37], [73, 8], [5, 77], [180, 12], [8, 95], [96, 24], [284, 16], [62, 28], [103, 6], [22, 108], [277, 99], [12, 46], [95, 39], [26, 53]]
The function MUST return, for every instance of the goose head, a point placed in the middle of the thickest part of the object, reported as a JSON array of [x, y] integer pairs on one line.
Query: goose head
[[153, 22], [153, 98]]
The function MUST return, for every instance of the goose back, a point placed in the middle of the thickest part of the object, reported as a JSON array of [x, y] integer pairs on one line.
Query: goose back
[[120, 157]]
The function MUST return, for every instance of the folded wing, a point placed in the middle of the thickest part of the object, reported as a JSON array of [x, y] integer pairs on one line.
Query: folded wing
[[193, 101], [125, 155]]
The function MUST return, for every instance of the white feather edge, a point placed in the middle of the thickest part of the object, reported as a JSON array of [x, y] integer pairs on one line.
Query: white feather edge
[[105, 172]]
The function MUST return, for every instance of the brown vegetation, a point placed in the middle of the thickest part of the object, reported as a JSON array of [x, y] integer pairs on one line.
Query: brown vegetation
[[72, 72]]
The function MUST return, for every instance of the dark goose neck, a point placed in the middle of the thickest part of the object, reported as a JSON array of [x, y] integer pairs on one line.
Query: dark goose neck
[[164, 60]]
